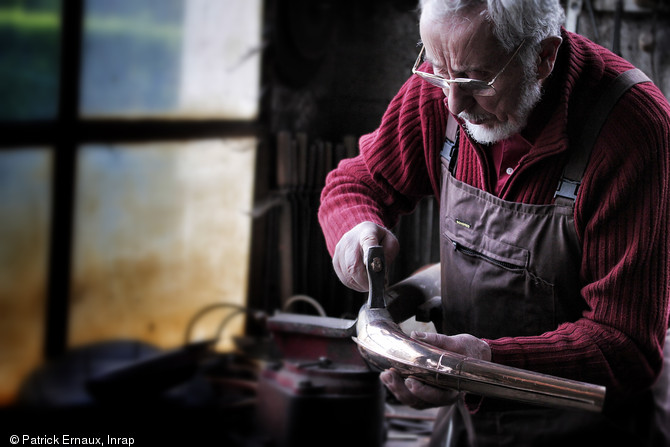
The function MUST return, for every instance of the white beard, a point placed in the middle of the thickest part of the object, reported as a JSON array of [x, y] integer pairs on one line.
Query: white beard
[[531, 93]]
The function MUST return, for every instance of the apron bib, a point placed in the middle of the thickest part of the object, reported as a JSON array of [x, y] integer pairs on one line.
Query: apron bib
[[511, 270], [497, 280]]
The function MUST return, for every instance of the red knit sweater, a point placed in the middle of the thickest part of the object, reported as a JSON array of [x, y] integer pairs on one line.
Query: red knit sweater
[[621, 213]]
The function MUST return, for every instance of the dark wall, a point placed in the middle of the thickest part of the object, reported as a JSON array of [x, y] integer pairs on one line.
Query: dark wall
[[331, 69], [338, 63]]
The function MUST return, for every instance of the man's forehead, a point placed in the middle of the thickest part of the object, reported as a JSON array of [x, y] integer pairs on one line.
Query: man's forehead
[[467, 42], [462, 54]]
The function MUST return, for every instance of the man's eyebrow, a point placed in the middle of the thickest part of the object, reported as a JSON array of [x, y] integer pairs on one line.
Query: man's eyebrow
[[438, 66], [430, 60]]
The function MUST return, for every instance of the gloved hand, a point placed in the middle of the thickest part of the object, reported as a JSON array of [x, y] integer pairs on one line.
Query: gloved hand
[[348, 259], [418, 395]]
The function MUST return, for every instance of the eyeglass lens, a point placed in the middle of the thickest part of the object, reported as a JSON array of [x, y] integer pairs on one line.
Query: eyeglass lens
[[471, 86]]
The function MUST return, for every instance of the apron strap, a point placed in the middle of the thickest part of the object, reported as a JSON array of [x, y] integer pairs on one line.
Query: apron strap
[[568, 185], [450, 147]]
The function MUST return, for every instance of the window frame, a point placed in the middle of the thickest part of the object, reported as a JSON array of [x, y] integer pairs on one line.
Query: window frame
[[64, 135]]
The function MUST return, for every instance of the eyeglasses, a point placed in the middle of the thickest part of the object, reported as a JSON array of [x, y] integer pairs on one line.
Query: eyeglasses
[[471, 86]]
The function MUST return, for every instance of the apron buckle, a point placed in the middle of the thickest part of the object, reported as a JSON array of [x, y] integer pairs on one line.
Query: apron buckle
[[567, 189]]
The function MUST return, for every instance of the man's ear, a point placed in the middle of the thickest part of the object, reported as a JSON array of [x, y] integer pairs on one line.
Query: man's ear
[[547, 56]]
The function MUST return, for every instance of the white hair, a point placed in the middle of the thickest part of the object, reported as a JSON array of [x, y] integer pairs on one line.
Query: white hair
[[512, 21]]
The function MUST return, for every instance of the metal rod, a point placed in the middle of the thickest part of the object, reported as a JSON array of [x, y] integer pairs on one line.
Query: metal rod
[[384, 345]]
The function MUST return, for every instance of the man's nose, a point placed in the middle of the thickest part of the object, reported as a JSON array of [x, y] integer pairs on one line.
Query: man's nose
[[458, 99]]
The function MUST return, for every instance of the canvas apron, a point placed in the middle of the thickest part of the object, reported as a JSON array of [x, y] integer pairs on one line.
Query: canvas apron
[[512, 269]]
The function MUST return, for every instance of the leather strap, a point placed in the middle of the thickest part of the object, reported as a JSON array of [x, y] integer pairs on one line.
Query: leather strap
[[568, 186], [450, 148]]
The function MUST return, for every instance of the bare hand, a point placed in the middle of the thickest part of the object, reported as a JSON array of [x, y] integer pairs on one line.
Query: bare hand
[[416, 394], [349, 256]]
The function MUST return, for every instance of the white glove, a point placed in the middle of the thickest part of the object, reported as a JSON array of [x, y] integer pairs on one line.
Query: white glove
[[349, 257]]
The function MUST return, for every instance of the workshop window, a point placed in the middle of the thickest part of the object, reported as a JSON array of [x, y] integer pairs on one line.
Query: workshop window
[[162, 231], [171, 58], [29, 60], [25, 175], [155, 141]]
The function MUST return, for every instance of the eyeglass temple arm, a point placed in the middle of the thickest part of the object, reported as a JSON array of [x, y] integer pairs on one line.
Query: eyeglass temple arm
[[508, 62]]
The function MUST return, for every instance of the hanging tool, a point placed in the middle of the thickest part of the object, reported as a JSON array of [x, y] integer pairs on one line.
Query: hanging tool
[[589, 8], [616, 39], [573, 10]]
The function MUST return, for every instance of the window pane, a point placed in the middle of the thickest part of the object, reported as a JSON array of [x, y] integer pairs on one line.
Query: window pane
[[171, 58], [162, 230], [25, 184], [29, 59]]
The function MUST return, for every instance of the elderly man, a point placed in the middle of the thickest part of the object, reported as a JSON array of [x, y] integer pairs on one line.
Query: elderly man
[[553, 182]]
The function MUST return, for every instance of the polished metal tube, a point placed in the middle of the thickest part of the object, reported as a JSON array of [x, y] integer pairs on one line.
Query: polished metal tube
[[384, 345]]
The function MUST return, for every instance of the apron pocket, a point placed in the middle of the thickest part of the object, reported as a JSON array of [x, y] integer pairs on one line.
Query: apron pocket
[[490, 291]]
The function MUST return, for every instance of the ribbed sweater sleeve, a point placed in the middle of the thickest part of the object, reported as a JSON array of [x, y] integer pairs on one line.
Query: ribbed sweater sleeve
[[622, 216], [390, 175]]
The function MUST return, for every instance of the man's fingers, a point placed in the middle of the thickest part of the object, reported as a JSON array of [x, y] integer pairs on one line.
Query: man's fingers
[[411, 392], [396, 385], [391, 247], [430, 394], [464, 344], [349, 260], [348, 263], [366, 241]]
